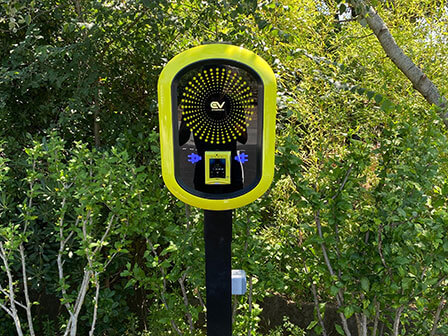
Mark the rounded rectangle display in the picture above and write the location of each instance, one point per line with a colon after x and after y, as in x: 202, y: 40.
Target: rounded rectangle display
x: 215, y: 108
x: 217, y: 126
x: 217, y: 169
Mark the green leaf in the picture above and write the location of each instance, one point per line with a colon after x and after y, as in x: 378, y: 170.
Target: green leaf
x: 311, y: 325
x: 334, y: 290
x: 130, y: 283
x: 169, y: 249
x: 401, y: 212
x: 378, y: 98
x: 387, y: 105
x: 348, y: 311
x: 339, y: 329
x: 365, y: 284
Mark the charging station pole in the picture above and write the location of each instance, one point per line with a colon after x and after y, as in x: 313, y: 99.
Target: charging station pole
x: 217, y: 106
x: 218, y: 239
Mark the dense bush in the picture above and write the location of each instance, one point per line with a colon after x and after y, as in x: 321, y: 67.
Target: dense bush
x: 91, y: 242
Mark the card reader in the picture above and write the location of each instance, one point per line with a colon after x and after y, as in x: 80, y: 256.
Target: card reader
x: 217, y: 167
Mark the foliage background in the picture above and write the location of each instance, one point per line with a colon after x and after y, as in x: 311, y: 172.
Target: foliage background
x: 354, y: 226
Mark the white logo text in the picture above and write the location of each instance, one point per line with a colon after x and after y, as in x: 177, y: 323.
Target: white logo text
x: 217, y: 106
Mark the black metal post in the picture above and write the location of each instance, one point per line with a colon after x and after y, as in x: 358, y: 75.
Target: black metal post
x: 218, y: 277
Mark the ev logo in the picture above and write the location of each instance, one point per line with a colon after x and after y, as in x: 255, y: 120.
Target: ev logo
x: 217, y: 107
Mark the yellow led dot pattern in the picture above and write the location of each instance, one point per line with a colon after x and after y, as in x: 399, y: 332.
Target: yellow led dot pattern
x: 217, y: 89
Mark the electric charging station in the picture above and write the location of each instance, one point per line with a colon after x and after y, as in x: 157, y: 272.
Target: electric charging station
x: 217, y: 106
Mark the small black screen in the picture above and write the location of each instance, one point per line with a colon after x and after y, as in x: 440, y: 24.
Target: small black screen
x: 217, y: 168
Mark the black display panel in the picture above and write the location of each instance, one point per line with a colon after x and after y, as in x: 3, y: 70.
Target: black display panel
x: 217, y: 168
x: 217, y: 106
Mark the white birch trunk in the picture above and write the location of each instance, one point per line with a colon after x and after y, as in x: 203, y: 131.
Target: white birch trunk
x: 28, y: 303
x: 10, y: 294
x: 396, y: 328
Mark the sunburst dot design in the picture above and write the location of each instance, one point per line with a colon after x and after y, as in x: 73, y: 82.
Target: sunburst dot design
x: 217, y: 105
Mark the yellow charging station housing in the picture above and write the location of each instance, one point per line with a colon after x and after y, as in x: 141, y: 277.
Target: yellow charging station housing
x: 217, y: 108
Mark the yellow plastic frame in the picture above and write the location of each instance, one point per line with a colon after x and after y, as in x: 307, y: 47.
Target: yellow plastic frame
x: 217, y: 155
x: 224, y: 52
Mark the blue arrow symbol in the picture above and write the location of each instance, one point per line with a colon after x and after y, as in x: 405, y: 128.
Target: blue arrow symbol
x: 242, y: 158
x: 193, y: 158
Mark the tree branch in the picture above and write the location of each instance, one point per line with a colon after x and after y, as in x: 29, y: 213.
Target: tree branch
x: 336, y: 227
x: 344, y: 181
x: 62, y: 242
x: 186, y: 303
x: 76, y: 309
x: 380, y: 248
x: 396, y: 327
x: 364, y: 324
x: 249, y: 328
x: 61, y: 272
x: 79, y: 301
x: 377, y: 316
x: 162, y: 294
x: 6, y: 310
x: 437, y: 316
x: 25, y: 289
x: 417, y: 77
x: 11, y: 296
x: 358, y: 324
x: 339, y: 296
x: 187, y: 215
x: 201, y: 302
x: 61, y: 266
x: 103, y: 238
x: 316, y: 302
x: 95, y: 303
x: 6, y: 294
x: 316, y: 306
